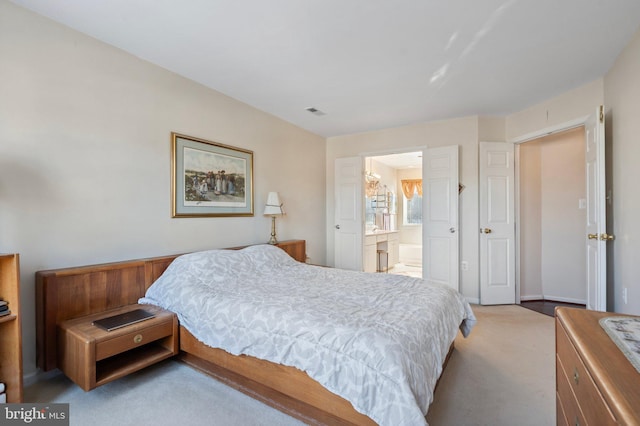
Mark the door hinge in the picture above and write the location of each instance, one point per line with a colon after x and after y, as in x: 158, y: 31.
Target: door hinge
x: 601, y: 113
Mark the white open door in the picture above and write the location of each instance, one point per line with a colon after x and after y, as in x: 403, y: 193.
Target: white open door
x: 440, y: 215
x: 597, y: 236
x: 497, y: 224
x: 348, y: 213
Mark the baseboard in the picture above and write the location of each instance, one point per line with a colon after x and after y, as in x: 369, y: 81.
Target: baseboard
x: 472, y: 300
x: 531, y: 297
x: 552, y: 299
x: 39, y: 375
x: 565, y: 300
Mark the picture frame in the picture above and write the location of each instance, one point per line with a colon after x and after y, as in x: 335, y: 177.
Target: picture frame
x: 209, y: 179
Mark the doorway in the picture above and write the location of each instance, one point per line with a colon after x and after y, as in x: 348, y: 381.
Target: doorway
x: 393, y: 224
x: 595, y: 203
x: 552, y: 211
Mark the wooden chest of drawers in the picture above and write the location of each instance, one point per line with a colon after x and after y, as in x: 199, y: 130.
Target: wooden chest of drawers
x: 595, y: 383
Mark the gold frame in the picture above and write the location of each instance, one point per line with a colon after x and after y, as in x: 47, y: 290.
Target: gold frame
x: 201, y: 184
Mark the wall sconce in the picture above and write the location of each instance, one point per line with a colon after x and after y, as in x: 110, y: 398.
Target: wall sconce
x: 273, y: 208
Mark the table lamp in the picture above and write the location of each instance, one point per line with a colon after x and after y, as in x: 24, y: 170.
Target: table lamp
x: 273, y: 208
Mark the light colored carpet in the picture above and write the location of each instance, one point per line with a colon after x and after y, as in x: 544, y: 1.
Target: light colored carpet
x: 169, y: 393
x: 503, y: 374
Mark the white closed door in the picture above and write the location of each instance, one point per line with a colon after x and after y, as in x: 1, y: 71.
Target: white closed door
x: 597, y: 237
x: 440, y: 214
x: 348, y: 222
x: 497, y: 224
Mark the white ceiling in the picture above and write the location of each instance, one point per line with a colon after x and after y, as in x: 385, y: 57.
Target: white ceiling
x: 367, y: 64
x: 402, y: 160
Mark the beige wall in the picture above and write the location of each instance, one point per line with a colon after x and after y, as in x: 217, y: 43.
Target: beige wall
x: 563, y: 222
x: 491, y: 129
x: 555, y: 113
x: 85, y: 157
x: 552, y: 182
x: 622, y: 101
x: 530, y: 244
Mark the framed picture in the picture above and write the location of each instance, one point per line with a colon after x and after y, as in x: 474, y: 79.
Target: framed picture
x: 210, y: 179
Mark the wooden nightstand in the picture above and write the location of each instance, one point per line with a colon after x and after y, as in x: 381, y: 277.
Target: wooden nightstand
x: 91, y: 356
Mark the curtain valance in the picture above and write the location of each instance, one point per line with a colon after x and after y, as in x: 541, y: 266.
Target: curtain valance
x: 411, y: 186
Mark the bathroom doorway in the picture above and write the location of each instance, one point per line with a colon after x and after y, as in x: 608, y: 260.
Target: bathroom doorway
x: 393, y: 222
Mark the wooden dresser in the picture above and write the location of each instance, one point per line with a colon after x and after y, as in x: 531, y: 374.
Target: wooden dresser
x: 595, y: 383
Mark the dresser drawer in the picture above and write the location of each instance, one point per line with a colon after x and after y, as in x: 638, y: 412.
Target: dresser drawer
x: 125, y: 342
x: 568, y: 409
x: 591, y: 404
x: 561, y: 418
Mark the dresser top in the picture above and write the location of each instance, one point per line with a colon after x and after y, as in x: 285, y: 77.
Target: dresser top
x: 614, y: 375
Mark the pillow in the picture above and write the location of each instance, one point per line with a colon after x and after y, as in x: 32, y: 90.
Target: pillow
x: 267, y: 256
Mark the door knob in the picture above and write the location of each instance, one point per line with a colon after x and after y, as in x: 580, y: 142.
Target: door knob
x: 606, y: 237
x: 452, y: 230
x: 592, y: 236
x: 337, y: 226
x: 485, y: 231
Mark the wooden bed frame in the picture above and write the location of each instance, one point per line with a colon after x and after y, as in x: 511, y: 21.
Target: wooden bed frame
x: 68, y: 293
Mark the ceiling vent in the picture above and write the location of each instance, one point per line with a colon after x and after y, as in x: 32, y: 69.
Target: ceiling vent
x: 315, y: 111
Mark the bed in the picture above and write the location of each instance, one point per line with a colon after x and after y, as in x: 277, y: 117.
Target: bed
x: 336, y: 354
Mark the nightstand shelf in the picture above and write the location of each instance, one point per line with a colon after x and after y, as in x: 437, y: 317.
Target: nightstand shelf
x: 91, y: 356
x: 120, y: 365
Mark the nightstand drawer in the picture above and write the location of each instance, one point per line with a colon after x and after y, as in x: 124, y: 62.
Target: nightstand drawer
x: 125, y: 342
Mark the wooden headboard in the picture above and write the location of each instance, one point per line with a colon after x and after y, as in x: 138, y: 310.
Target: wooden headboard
x: 68, y: 293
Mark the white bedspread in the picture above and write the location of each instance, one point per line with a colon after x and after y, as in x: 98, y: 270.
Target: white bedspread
x: 377, y: 340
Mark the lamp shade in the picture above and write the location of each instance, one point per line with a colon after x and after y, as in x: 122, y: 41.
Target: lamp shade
x: 273, y: 206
